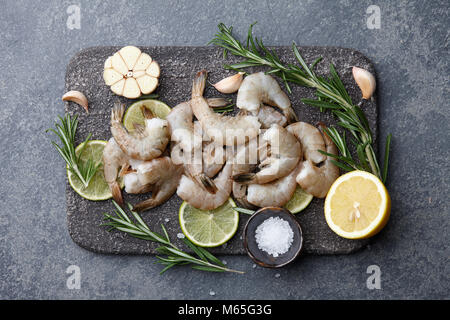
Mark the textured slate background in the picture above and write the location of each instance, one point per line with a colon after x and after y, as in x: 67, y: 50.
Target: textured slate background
x: 179, y: 65
x: 409, y: 52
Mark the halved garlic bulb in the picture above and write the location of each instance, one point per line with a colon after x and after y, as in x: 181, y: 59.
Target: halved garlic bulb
x: 131, y: 73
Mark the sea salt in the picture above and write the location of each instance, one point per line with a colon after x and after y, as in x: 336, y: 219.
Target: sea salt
x: 180, y: 236
x: 274, y: 236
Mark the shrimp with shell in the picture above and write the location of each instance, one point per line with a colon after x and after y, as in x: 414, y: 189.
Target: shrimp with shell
x: 199, y: 198
x: 259, y: 88
x: 273, y: 194
x: 224, y: 129
x: 280, y: 154
x: 318, y: 180
x: 187, y: 147
x: 159, y: 176
x: 311, y: 140
x: 114, y: 159
x: 146, y: 142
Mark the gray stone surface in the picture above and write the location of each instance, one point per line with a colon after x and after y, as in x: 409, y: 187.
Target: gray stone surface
x: 179, y: 65
x: 410, y: 54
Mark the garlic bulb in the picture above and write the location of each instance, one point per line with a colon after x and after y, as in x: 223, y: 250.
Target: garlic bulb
x: 77, y: 97
x: 131, y: 73
x: 365, y: 81
x: 230, y: 84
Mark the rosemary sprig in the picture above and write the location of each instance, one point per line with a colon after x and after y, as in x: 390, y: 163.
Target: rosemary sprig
x: 66, y: 132
x: 331, y: 94
x: 170, y: 255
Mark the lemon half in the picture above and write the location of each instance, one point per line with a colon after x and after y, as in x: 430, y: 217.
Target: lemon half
x: 357, y: 205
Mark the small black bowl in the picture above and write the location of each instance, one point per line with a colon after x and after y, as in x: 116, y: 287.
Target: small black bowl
x: 261, y: 257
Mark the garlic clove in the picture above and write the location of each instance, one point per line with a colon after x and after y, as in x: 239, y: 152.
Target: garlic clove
x: 147, y: 83
x: 117, y: 87
x: 131, y: 89
x: 365, y: 81
x: 130, y: 55
x: 142, y: 63
x: 118, y: 64
x: 108, y: 63
x: 230, y: 84
x: 77, y: 97
x: 111, y: 76
x: 153, y: 69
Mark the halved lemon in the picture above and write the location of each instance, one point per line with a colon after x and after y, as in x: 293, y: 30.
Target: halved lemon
x: 134, y: 112
x: 209, y: 228
x: 357, y: 205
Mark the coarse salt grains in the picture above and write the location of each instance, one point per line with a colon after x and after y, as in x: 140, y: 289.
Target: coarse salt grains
x: 274, y: 236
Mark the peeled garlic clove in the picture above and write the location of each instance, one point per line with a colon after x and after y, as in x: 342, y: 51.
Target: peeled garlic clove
x: 365, y: 81
x: 77, y: 97
x: 230, y: 84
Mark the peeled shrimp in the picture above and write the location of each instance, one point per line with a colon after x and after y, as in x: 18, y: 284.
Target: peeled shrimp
x: 160, y: 176
x: 113, y: 160
x: 196, y: 196
x: 223, y: 129
x: 259, y: 88
x: 274, y: 194
x: 147, y: 142
x: 318, y: 180
x: 311, y: 140
x: 279, y: 160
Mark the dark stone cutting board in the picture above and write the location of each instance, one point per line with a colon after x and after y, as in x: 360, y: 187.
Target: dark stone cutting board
x: 178, y: 66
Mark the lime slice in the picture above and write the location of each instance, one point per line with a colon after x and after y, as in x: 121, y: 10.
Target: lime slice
x: 97, y: 189
x: 134, y: 112
x: 209, y: 228
x: 299, y: 201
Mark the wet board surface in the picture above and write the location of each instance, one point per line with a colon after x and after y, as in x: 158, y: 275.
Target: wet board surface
x: 178, y: 67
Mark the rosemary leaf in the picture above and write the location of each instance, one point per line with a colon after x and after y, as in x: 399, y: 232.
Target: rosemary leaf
x: 169, y: 254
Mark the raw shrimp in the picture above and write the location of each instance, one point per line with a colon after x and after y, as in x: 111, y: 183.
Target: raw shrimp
x: 188, y: 144
x: 223, y: 129
x: 280, y: 160
x: 113, y: 160
x: 269, y: 116
x: 311, y: 140
x: 161, y: 176
x: 190, y: 192
x: 274, y: 194
x: 244, y: 162
x: 318, y: 180
x: 147, y: 142
x: 259, y: 88
x: 214, y: 157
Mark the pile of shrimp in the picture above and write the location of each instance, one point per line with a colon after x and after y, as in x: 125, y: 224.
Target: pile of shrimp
x: 258, y: 156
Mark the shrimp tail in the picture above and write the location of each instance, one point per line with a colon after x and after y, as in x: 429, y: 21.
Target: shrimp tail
x: 147, y: 113
x: 198, y: 85
x: 116, y: 193
x: 117, y: 112
x: 145, y: 205
x: 290, y: 115
x: 207, y: 183
x: 244, y: 177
